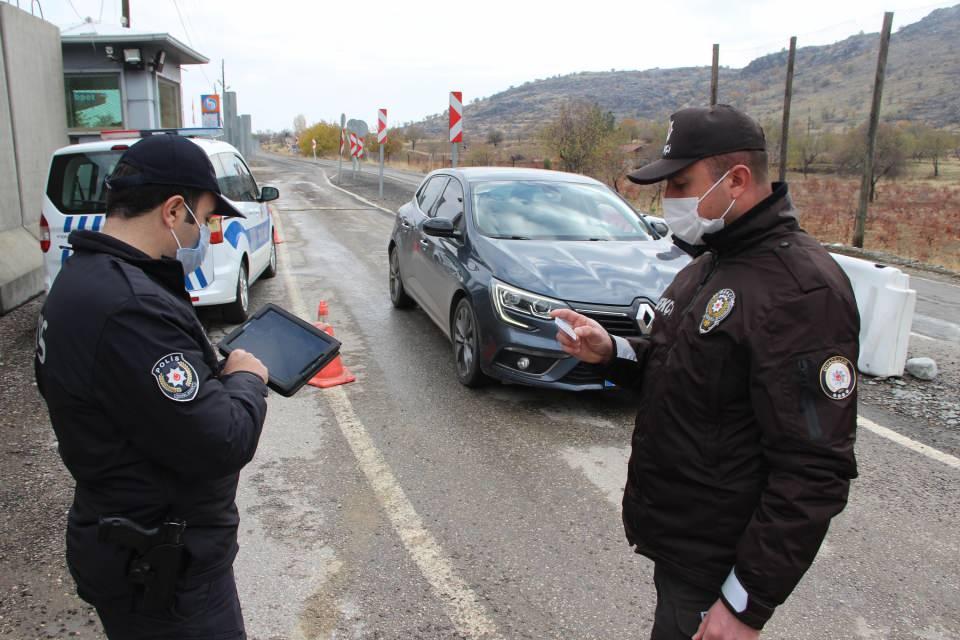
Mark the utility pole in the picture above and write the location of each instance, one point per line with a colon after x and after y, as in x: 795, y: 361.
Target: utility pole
x: 125, y: 10
x: 715, y: 75
x: 787, y: 98
x: 223, y: 75
x: 866, y: 183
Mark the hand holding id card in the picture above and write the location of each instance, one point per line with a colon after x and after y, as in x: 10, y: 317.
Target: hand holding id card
x: 292, y: 350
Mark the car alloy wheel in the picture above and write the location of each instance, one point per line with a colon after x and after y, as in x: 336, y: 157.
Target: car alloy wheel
x: 398, y: 295
x: 466, y: 345
x: 237, y: 310
x: 271, y: 269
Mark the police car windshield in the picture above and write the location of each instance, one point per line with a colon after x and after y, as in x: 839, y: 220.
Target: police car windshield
x: 76, y: 182
x: 542, y: 210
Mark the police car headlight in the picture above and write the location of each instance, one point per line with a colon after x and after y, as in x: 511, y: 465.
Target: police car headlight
x: 514, y: 304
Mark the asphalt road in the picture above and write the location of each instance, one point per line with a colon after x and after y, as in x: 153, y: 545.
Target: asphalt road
x: 407, y: 506
x: 937, y: 314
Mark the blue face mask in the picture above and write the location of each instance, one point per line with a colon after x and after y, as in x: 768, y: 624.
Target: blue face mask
x: 192, y: 257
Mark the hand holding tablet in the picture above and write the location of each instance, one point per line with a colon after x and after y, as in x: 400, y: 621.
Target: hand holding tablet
x: 292, y: 350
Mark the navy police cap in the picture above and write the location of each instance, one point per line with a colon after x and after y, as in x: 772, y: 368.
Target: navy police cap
x: 173, y: 160
x: 701, y: 132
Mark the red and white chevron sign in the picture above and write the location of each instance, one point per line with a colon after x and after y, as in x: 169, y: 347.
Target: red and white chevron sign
x: 456, y: 116
x: 353, y: 145
x: 381, y: 126
x: 356, y: 145
x: 341, y: 141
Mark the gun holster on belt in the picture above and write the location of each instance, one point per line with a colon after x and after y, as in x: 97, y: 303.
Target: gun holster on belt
x: 158, y: 557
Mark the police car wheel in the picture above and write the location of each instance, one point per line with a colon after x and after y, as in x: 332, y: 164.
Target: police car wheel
x: 236, y: 311
x: 398, y: 295
x: 271, y: 269
x: 466, y: 346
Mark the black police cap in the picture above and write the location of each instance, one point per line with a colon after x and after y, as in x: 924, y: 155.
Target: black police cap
x: 701, y: 132
x: 166, y: 159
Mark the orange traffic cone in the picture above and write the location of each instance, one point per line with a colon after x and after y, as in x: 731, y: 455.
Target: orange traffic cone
x: 334, y: 373
x: 276, y: 237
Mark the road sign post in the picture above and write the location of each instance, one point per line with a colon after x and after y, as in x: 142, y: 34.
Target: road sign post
x: 381, y: 140
x: 313, y: 144
x: 456, y: 124
x: 343, y: 123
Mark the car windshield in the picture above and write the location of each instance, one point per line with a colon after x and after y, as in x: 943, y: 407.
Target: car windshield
x: 76, y: 180
x: 546, y: 210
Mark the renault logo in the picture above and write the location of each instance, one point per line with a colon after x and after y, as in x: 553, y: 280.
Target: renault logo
x: 645, y: 317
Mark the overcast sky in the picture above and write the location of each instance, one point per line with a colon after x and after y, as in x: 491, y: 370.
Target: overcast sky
x: 321, y: 58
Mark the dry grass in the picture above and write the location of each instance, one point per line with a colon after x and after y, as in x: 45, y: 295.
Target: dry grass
x: 914, y: 219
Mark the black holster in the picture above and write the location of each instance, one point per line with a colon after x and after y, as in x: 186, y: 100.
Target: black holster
x: 158, y: 557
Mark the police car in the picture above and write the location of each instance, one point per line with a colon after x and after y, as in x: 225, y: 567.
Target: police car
x: 241, y: 250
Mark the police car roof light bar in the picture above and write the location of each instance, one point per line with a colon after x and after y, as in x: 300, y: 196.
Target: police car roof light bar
x: 186, y: 132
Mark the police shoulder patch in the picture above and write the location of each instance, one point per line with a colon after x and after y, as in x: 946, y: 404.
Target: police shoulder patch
x: 719, y: 307
x: 176, y: 377
x: 838, y: 377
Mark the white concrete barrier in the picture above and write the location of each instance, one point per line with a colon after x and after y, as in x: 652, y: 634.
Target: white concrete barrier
x: 886, y: 303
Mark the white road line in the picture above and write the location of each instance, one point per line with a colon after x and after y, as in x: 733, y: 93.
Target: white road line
x: 920, y: 335
x: 462, y: 604
x: 947, y: 284
x: 913, y: 445
x: 606, y: 467
x: 350, y: 193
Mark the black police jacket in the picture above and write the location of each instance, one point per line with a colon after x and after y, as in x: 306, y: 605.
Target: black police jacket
x: 145, y: 423
x: 743, y: 445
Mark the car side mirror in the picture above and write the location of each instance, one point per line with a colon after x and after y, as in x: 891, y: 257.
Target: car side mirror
x: 660, y: 227
x: 268, y: 194
x: 440, y: 228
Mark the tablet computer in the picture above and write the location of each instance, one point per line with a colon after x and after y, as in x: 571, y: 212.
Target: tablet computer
x: 292, y: 350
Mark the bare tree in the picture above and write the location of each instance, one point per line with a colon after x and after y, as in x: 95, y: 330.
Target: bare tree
x: 890, y: 155
x: 413, y: 133
x: 495, y: 137
x: 807, y: 148
x: 576, y: 134
x: 299, y: 123
x: 934, y: 144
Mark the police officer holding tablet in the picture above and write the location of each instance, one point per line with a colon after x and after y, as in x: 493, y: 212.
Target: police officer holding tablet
x: 153, y: 428
x: 743, y: 446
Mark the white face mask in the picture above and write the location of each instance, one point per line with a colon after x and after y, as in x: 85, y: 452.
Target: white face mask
x: 683, y: 217
x: 192, y: 257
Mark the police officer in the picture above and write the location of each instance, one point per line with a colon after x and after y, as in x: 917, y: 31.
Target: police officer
x: 152, y: 427
x: 743, y: 446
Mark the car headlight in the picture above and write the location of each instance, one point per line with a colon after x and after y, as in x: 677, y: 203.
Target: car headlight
x: 512, y: 302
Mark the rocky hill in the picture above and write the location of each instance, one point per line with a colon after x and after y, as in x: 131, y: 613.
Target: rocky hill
x: 832, y: 85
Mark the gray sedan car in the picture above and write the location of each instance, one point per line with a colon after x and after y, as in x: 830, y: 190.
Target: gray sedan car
x: 488, y: 253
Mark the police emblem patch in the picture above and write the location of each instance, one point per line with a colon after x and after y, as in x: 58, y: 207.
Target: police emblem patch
x: 718, y: 308
x: 838, y: 378
x: 176, y: 377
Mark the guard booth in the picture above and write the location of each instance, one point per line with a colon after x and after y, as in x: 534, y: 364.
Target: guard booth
x: 119, y: 78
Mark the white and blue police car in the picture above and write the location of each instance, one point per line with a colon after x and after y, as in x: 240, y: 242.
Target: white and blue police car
x: 241, y: 250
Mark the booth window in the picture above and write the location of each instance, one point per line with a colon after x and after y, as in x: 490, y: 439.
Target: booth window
x: 93, y: 102
x: 169, y: 104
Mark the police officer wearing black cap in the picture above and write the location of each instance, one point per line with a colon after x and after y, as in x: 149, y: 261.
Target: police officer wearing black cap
x: 153, y: 428
x: 743, y: 446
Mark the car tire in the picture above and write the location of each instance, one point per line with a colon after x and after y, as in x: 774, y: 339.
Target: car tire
x: 466, y: 345
x: 271, y: 269
x: 398, y: 294
x: 236, y: 312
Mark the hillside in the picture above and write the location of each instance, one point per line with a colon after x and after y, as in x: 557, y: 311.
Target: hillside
x: 832, y: 85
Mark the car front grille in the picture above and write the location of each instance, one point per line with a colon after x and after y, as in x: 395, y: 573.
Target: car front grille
x: 616, y: 323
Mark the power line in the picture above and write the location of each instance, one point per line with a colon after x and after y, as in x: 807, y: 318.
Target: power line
x: 186, y: 32
x: 75, y: 10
